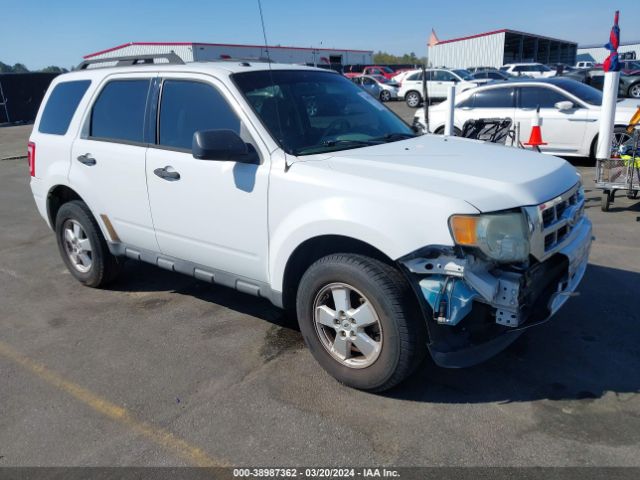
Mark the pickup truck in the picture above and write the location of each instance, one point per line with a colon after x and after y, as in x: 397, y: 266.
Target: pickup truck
x: 292, y: 184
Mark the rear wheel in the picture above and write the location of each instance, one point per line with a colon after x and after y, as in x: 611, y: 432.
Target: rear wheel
x: 413, y: 99
x: 83, y: 247
x: 634, y: 91
x: 456, y: 131
x: 359, y: 319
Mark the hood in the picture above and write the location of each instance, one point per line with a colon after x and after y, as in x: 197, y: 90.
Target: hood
x: 488, y: 176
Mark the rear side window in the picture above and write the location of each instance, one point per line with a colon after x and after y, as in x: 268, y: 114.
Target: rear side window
x: 61, y: 106
x: 187, y: 107
x: 119, y: 111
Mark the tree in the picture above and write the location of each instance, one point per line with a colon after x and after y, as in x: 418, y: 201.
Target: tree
x: 20, y: 68
x: 54, y: 69
x: 388, y: 58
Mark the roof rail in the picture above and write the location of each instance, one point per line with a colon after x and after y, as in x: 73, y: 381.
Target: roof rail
x: 145, y: 59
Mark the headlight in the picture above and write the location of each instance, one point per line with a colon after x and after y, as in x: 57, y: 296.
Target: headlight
x: 501, y: 236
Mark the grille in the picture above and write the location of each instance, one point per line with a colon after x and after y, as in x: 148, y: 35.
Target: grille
x: 554, y: 221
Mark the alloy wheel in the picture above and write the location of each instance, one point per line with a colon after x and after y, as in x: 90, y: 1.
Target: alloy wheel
x: 77, y: 246
x: 347, y: 325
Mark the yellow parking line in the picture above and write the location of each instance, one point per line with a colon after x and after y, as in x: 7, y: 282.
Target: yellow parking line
x: 110, y: 410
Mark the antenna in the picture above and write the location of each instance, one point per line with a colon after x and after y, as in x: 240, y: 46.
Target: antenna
x: 273, y: 83
x: 264, y: 33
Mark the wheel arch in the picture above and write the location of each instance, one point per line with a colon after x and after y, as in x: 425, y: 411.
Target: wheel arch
x: 594, y: 141
x: 311, y: 250
x: 57, y: 196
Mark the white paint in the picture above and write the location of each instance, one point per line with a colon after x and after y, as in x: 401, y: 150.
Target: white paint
x: 451, y: 101
x: 607, y: 114
x: 567, y: 132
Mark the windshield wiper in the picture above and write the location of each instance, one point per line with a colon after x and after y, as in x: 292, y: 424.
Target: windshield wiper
x: 344, y: 141
x: 394, y: 137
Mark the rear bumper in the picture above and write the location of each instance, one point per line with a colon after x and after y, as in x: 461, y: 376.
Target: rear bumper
x: 39, y: 192
x: 478, y: 319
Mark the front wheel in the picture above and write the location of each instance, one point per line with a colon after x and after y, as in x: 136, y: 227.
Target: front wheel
x: 634, y: 91
x: 413, y: 99
x: 360, y: 321
x: 385, y: 96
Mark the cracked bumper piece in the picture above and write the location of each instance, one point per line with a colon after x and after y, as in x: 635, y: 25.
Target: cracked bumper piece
x: 474, y: 308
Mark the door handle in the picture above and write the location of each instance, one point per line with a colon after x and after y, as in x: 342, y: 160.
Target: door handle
x: 87, y: 159
x: 167, y: 173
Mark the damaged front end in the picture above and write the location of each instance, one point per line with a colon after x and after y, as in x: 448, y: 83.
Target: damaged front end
x: 475, y: 305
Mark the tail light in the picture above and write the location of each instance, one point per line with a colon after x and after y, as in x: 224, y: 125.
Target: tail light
x: 31, y: 155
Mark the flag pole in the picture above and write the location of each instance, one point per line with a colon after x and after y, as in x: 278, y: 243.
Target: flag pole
x: 609, y: 93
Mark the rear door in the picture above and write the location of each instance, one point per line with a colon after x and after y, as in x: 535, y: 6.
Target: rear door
x: 108, y: 159
x: 564, y: 131
x: 497, y: 102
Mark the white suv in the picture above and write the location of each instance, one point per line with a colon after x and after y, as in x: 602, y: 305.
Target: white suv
x: 533, y: 70
x: 291, y: 183
x: 438, y: 82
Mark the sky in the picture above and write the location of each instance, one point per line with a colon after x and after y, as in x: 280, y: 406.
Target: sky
x: 39, y: 33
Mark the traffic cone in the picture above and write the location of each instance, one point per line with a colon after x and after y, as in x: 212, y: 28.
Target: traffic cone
x: 535, y: 140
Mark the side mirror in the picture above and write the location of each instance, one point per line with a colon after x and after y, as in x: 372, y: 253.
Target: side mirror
x: 222, y: 145
x: 564, y: 106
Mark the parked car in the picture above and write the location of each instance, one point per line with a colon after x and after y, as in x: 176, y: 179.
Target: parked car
x: 629, y: 84
x: 630, y: 67
x: 438, y: 82
x: 533, y: 70
x: 485, y: 76
x: 384, y: 71
x: 585, y: 64
x: 401, y: 75
x: 384, y: 245
x: 369, y: 85
x: 569, y: 111
x: 387, y: 89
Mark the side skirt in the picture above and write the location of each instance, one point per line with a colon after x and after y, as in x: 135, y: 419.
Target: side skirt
x: 201, y: 272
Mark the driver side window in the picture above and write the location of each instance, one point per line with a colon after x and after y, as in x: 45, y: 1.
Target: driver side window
x: 187, y: 107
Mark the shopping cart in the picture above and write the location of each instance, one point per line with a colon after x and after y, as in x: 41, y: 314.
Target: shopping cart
x: 622, y: 172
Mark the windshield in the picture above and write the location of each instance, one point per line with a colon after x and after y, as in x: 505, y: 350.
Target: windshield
x: 387, y: 69
x: 308, y: 111
x: 463, y: 74
x: 584, y: 92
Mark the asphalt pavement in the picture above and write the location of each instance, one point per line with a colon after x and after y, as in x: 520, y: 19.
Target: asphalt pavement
x: 161, y: 369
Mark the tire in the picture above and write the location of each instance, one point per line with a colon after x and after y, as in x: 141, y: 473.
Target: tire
x: 634, y: 91
x: 378, y: 289
x: 605, y: 201
x: 456, y: 131
x: 618, y: 134
x: 98, y: 266
x: 385, y: 96
x: 413, y: 99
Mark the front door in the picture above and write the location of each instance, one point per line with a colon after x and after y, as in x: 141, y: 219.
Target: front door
x: 108, y: 160
x: 212, y: 213
x: 562, y: 130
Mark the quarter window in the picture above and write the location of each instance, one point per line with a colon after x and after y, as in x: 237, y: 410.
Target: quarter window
x: 61, y: 106
x: 119, y: 111
x: 187, y: 107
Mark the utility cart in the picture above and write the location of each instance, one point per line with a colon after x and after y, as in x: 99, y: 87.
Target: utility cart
x: 621, y: 172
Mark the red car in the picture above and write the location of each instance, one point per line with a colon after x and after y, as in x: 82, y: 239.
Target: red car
x: 371, y: 70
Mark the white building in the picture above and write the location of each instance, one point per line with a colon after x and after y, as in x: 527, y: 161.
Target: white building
x: 494, y: 49
x: 597, y: 53
x: 190, y: 52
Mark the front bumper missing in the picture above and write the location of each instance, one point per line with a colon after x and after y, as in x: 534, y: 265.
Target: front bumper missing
x: 474, y: 308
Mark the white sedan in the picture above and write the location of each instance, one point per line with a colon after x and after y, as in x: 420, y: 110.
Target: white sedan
x: 570, y: 112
